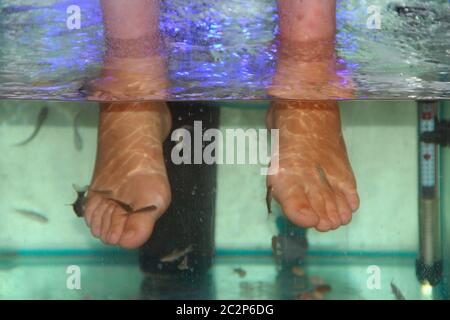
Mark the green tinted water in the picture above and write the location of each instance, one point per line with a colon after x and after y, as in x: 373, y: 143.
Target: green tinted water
x: 382, y: 142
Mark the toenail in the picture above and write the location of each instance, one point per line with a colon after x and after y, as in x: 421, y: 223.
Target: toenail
x: 354, y: 204
x: 96, y: 232
x: 353, y: 200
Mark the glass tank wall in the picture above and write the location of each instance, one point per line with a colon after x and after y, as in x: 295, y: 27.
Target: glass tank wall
x: 242, y: 170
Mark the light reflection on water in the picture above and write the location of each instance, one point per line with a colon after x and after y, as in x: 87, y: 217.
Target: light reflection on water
x: 224, y: 50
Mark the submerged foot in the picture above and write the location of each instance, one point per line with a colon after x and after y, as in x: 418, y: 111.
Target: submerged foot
x: 129, y: 189
x: 315, y: 184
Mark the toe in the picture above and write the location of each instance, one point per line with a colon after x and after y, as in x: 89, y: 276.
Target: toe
x: 97, y: 217
x: 318, y: 205
x: 106, y: 222
x: 118, y: 220
x: 297, y: 208
x: 344, y: 209
x: 331, y: 209
x: 91, y: 205
x: 137, y: 229
x: 351, y: 195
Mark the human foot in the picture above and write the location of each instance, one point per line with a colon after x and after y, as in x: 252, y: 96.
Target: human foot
x: 129, y: 189
x: 315, y: 184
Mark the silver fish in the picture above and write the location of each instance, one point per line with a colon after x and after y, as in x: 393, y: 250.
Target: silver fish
x: 183, y: 264
x: 396, y: 292
x: 39, y: 122
x: 176, y: 254
x: 269, y: 199
x: 77, y: 140
x: 322, y: 175
x: 79, y: 206
x: 33, y: 215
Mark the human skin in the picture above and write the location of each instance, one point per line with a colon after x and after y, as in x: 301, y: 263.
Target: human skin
x: 314, y: 184
x: 130, y: 189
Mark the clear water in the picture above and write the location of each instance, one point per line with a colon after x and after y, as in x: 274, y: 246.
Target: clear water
x: 35, y: 256
x: 225, y: 50
x: 222, y: 209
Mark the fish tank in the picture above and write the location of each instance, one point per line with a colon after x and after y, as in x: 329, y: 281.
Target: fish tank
x: 224, y: 150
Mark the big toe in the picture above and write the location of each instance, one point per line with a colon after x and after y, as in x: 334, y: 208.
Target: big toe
x: 137, y: 229
x: 298, y: 209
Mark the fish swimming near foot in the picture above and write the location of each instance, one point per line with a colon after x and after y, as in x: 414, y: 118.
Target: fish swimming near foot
x: 32, y: 215
x: 277, y: 249
x: 269, y: 199
x: 240, y: 272
x: 396, y: 292
x: 322, y: 175
x: 79, y: 205
x: 77, y: 140
x: 176, y: 255
x: 39, y: 122
x: 318, y: 293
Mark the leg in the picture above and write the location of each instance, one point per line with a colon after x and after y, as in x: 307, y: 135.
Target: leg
x: 133, y: 66
x: 307, y: 66
x: 307, y: 20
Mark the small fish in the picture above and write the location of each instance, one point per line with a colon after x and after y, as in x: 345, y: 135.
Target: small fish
x: 323, y: 288
x: 298, y: 271
x: 277, y: 250
x: 176, y: 255
x: 276, y: 246
x: 318, y: 293
x: 396, y: 292
x: 148, y: 209
x: 39, y: 122
x: 77, y: 140
x: 309, y: 295
x: 269, y: 199
x: 79, y: 206
x: 33, y: 215
x: 183, y: 264
x: 322, y: 175
x: 126, y: 207
x: 240, y: 272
